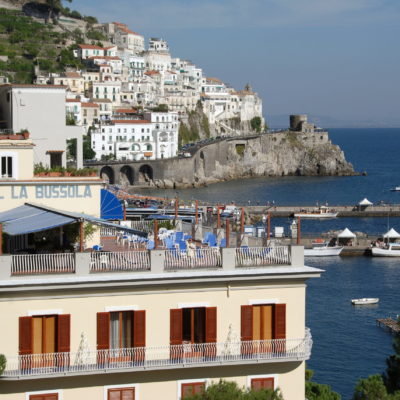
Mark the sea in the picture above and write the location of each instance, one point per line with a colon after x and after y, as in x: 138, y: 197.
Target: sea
x: 348, y: 345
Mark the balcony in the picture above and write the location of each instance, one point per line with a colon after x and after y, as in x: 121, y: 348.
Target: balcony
x: 139, y: 259
x: 88, y: 361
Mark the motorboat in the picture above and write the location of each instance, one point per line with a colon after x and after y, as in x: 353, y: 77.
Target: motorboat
x: 365, y: 301
x: 395, y: 189
x: 387, y: 250
x: 318, y: 213
x: 321, y: 248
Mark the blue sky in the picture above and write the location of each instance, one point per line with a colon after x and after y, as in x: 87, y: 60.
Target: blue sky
x: 338, y: 60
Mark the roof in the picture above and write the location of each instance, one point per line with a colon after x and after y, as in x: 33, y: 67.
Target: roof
x: 73, y: 75
x: 131, y: 121
x: 31, y: 218
x: 125, y: 111
x: 392, y: 234
x: 152, y: 72
x: 31, y: 85
x: 100, y: 101
x: 365, y: 202
x: 125, y: 29
x: 346, y: 233
x: 72, y: 100
x: 214, y: 80
x: 90, y: 46
x: 89, y: 105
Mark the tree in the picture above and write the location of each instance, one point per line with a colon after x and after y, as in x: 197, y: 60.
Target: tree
x: 255, y: 124
x: 224, y: 390
x: 371, y: 388
x: 318, y: 391
x: 55, y: 6
x: 391, y: 377
x: 3, y: 363
x: 88, y: 152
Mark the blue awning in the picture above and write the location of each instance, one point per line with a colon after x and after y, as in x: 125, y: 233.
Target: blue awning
x: 110, y: 207
x: 26, y: 219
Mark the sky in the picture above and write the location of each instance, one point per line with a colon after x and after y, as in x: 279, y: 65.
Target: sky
x: 336, y: 60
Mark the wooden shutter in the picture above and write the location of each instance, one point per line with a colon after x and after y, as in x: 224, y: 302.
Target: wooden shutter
x: 246, y: 323
x: 262, y: 383
x: 103, y: 331
x: 49, y: 396
x: 128, y: 394
x: 121, y: 394
x: 280, y: 321
x: 64, y: 333
x: 199, y: 387
x: 139, y: 328
x: 25, y: 335
x: 176, y: 326
x: 211, y: 324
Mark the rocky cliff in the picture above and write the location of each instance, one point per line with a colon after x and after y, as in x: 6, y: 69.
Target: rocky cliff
x: 271, y: 154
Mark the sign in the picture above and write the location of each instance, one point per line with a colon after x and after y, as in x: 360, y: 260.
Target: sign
x: 46, y: 192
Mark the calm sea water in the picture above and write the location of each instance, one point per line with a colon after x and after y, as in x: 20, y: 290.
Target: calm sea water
x: 347, y: 343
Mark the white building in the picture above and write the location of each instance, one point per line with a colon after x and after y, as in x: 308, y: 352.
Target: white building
x: 136, y: 68
x: 152, y: 138
x: 123, y: 37
x: 86, y: 51
x: 107, y: 90
x: 158, y: 57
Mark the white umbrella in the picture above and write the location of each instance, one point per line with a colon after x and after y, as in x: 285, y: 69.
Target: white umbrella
x: 392, y: 234
x: 365, y: 202
x: 346, y: 233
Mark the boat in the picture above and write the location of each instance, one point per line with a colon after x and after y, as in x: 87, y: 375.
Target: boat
x: 321, y: 248
x: 320, y: 212
x: 387, y: 250
x: 364, y: 301
x: 395, y: 189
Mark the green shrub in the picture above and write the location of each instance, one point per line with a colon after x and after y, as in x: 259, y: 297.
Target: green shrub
x: 3, y: 363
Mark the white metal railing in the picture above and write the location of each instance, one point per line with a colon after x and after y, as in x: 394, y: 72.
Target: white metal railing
x: 120, y: 261
x: 193, y: 258
x: 205, y: 354
x: 31, y: 264
x: 106, y: 231
x: 260, y: 256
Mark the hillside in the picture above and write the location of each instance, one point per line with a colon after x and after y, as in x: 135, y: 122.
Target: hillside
x: 28, y: 43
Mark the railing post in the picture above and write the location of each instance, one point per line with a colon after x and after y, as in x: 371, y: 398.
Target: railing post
x: 5, y: 266
x: 82, y: 263
x: 157, y: 258
x: 228, y: 258
x: 297, y: 256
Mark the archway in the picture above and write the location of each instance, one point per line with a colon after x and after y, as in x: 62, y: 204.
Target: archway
x: 126, y: 175
x: 107, y: 174
x: 145, y: 173
x: 203, y: 159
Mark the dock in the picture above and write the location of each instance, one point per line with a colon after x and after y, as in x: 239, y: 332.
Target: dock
x: 389, y: 323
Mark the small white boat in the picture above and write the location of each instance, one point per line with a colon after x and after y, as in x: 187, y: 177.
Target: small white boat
x: 322, y: 249
x: 364, y: 301
x: 395, y: 189
x: 321, y: 212
x: 389, y: 250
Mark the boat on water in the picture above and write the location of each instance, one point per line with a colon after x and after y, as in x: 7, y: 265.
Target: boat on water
x: 395, y: 189
x: 317, y: 213
x: 386, y: 250
x: 321, y: 248
x: 365, y: 301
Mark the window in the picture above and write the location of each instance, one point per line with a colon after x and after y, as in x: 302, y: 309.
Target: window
x: 110, y: 148
x: 103, y: 138
x: 44, y: 334
x: 6, y: 167
x: 44, y: 396
x: 121, y: 394
x: 262, y: 383
x: 191, y: 389
x: 262, y: 322
x: 121, y: 329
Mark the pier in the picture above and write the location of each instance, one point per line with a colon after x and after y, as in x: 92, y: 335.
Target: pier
x: 390, y: 324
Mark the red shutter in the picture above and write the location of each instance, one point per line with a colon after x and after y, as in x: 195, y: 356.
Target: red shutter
x: 64, y: 333
x: 280, y: 321
x: 211, y: 324
x: 128, y: 394
x: 176, y: 326
x: 25, y: 335
x: 262, y: 383
x: 139, y: 328
x: 103, y: 331
x: 198, y: 388
x: 246, y: 323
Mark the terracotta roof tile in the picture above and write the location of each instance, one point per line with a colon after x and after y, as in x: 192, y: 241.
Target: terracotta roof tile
x: 89, y: 105
x: 90, y: 46
x: 131, y: 121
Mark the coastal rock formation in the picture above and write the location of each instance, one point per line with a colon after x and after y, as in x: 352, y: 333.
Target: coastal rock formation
x: 272, y: 154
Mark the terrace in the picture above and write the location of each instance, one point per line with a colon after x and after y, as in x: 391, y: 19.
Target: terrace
x: 87, y: 361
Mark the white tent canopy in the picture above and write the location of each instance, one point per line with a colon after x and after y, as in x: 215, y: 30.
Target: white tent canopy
x: 346, y: 233
x: 365, y: 202
x: 392, y: 234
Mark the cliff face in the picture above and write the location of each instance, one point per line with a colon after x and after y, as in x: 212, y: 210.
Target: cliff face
x: 272, y: 154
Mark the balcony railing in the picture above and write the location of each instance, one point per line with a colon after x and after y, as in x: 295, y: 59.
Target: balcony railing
x: 31, y: 264
x: 147, y: 358
x: 193, y: 258
x: 120, y: 261
x: 134, y: 260
x: 262, y: 256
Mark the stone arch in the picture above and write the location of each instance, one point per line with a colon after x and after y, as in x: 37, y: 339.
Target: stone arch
x: 203, y: 160
x: 145, y: 173
x: 107, y: 174
x: 126, y: 175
